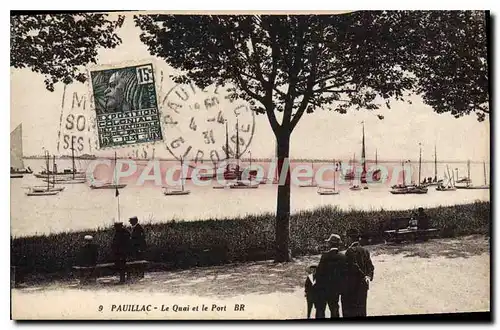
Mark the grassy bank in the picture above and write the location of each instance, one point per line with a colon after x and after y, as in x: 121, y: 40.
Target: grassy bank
x: 250, y: 238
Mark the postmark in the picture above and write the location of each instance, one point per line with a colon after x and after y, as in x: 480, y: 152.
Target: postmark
x: 126, y: 105
x: 206, y: 125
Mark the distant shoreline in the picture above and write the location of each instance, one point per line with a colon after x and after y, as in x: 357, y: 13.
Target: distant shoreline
x: 258, y: 160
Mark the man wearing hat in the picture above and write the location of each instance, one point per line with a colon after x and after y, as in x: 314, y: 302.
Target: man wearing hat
x: 120, y: 248
x: 88, y: 257
x: 359, y: 274
x: 330, y: 278
x: 137, y: 240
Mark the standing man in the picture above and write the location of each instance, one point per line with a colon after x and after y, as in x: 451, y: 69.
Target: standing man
x: 330, y: 278
x: 137, y: 241
x: 120, y: 247
x: 359, y: 274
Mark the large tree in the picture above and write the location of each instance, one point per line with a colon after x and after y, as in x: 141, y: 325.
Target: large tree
x: 59, y: 45
x: 294, y: 64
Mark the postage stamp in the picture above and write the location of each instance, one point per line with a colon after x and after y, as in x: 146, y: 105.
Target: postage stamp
x: 126, y: 107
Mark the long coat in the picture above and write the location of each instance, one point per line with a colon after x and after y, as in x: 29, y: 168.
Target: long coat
x: 121, y: 244
x: 331, y: 272
x: 137, y: 239
x: 359, y: 265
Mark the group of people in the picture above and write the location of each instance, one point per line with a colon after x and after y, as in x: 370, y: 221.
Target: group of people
x: 127, y: 244
x: 340, y: 275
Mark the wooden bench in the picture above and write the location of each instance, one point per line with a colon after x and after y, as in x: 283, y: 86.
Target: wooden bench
x: 399, y: 231
x: 90, y: 273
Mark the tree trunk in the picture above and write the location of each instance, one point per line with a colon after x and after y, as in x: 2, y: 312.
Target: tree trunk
x: 283, y: 252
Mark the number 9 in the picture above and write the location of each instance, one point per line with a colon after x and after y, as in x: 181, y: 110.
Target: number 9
x: 100, y: 308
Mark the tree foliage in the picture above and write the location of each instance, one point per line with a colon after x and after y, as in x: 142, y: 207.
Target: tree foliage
x: 57, y: 46
x: 333, y: 61
x: 450, y: 58
x: 290, y: 64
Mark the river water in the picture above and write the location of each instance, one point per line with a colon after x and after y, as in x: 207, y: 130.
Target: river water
x: 78, y: 207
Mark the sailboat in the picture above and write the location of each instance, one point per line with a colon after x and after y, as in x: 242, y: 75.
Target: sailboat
x: 468, y: 183
x: 167, y: 191
x: 434, y: 181
x: 17, y: 169
x: 329, y: 190
x: 350, y: 175
x: 52, y: 182
x: 450, y: 185
x: 110, y: 185
x: 229, y: 172
x: 73, y: 178
x: 354, y: 186
x: 363, y: 157
x: 311, y: 183
x: 404, y: 189
x: 241, y: 184
x: 68, y: 175
x: 42, y: 190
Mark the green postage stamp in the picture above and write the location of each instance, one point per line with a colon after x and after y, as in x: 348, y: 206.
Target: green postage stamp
x: 126, y: 106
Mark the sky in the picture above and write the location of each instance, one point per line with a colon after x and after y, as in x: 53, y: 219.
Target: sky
x: 321, y: 135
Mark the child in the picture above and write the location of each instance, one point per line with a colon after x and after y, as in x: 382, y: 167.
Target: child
x: 309, y: 288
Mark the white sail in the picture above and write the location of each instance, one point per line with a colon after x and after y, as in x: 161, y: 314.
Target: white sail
x: 16, y: 148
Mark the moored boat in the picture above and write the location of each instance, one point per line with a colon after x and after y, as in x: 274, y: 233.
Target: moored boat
x: 244, y: 184
x: 467, y: 184
x: 41, y: 193
x: 327, y: 191
x: 108, y: 185
x: 169, y: 191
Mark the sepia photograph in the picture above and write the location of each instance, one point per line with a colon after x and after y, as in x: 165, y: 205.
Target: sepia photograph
x: 250, y: 165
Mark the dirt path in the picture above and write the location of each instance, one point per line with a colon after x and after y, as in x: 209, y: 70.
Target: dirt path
x: 439, y: 276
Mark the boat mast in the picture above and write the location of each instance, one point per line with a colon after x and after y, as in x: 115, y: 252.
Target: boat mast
x: 237, y: 150
x: 419, y: 164
x: 376, y: 160
x: 48, y: 170
x: 363, y: 149
x: 334, y: 173
x: 182, y: 179
x: 404, y: 180
x: 227, y: 143
x: 451, y: 177
x: 117, y: 194
x: 484, y: 171
x: 353, y: 165
x: 73, y: 158
x: 54, y: 168
x: 468, y: 172
x: 312, y: 168
x: 435, y: 165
